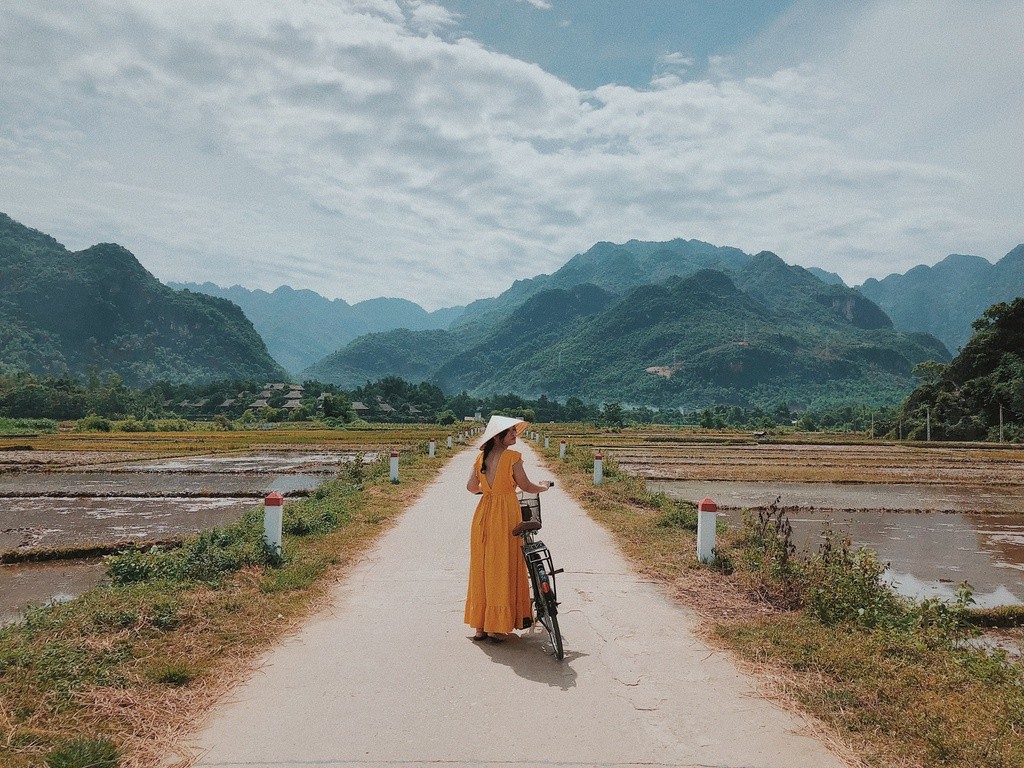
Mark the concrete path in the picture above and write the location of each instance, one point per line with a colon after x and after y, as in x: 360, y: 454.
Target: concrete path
x: 386, y: 675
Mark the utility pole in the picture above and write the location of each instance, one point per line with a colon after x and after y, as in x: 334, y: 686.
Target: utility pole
x: 928, y: 422
x: 1000, y: 422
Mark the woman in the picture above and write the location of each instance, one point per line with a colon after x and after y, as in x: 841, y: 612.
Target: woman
x: 498, y: 598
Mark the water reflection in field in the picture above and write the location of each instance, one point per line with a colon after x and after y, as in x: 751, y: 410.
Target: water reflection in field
x: 47, y: 508
x: 28, y: 584
x: 929, y: 552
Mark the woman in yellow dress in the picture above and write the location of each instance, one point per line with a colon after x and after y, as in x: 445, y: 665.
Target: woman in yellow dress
x: 498, y: 597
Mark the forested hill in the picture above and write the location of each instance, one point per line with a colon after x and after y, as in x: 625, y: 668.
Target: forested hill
x: 945, y: 299
x: 100, y: 310
x: 763, y: 332
x: 982, y: 388
x: 300, y: 327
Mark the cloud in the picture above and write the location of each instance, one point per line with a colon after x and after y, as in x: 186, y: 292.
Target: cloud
x: 542, y: 5
x: 354, y: 147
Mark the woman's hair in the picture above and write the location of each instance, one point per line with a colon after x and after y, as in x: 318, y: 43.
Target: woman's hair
x: 486, y: 448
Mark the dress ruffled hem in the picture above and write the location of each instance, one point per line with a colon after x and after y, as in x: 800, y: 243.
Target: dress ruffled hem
x: 496, y: 620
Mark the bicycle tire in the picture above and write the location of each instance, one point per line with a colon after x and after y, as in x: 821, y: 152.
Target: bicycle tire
x: 550, y: 622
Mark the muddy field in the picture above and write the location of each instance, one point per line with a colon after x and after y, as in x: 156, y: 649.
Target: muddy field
x: 938, y: 515
x: 104, y: 491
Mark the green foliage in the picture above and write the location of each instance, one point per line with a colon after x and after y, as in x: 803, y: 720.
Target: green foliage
x: 27, y: 426
x: 207, y: 557
x: 844, y: 585
x: 171, y: 673
x: 675, y: 513
x: 769, y: 555
x: 94, y: 423
x: 963, y: 400
x: 84, y: 753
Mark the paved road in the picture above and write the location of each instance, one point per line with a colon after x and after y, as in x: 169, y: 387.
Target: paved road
x: 386, y: 676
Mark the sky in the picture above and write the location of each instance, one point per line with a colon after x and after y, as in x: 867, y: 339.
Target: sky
x: 438, y: 150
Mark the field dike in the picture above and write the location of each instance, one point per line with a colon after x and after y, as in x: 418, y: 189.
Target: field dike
x: 887, y: 681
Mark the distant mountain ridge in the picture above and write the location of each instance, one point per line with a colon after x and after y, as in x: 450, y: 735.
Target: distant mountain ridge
x: 99, y: 309
x: 301, y: 327
x: 755, y: 330
x: 945, y: 299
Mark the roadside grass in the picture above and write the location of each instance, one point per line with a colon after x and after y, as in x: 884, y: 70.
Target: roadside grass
x: 895, y: 683
x: 117, y: 676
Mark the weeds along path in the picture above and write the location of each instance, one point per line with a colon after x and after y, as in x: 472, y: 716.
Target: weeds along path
x: 386, y: 675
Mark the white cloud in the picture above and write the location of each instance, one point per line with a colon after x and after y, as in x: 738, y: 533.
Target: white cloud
x: 542, y: 5
x: 343, y: 146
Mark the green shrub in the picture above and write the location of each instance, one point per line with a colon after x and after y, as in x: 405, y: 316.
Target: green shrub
x: 84, y: 753
x: 675, y: 513
x: 844, y: 585
x: 171, y: 673
x: 769, y: 557
x: 207, y: 557
x: 94, y: 423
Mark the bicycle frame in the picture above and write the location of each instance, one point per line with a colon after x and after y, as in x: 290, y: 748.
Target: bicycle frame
x: 542, y: 573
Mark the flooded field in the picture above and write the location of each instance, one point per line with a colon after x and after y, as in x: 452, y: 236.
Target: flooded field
x: 938, y: 516
x: 74, y: 499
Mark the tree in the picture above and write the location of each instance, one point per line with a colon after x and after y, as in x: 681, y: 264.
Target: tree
x: 612, y: 415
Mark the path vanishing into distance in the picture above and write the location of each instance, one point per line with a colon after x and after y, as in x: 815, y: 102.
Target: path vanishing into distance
x: 385, y: 673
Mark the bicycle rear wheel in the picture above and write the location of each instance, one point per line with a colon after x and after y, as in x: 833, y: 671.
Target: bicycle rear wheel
x: 550, y: 622
x: 546, y: 605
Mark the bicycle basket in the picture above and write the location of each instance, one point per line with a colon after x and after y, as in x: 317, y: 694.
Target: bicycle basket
x: 529, y: 505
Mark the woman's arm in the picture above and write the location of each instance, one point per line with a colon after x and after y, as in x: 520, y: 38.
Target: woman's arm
x: 519, y: 475
x: 473, y: 485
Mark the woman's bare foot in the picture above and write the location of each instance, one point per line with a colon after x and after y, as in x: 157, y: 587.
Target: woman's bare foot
x: 480, y: 635
x: 496, y: 638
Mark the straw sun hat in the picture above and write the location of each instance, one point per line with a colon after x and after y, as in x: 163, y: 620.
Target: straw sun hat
x: 499, y: 424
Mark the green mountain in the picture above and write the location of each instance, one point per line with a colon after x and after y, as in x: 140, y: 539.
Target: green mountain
x: 301, y: 327
x: 764, y: 332
x: 982, y: 387
x: 945, y: 299
x: 412, y: 355
x: 613, y: 267
x: 100, y: 310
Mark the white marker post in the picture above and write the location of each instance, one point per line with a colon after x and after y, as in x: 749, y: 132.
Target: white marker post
x: 273, y: 516
x: 707, y: 520
x: 598, y: 469
x: 561, y: 450
x: 449, y: 441
x: 431, y: 447
x: 394, y: 466
x: 547, y: 442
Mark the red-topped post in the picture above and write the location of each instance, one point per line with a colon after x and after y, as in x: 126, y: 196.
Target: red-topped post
x: 598, y: 469
x: 394, y: 466
x: 273, y: 516
x: 707, y: 520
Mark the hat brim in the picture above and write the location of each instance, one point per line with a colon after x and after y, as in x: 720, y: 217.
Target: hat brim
x: 499, y: 424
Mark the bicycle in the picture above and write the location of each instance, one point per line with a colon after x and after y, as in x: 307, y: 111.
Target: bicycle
x: 541, y: 569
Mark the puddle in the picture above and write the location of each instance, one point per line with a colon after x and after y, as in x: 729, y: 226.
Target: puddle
x: 30, y: 584
x: 929, y: 552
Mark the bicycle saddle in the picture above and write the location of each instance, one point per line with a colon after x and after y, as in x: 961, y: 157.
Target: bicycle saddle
x: 526, y: 525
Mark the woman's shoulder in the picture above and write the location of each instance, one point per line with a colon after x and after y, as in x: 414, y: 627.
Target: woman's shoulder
x: 514, y: 456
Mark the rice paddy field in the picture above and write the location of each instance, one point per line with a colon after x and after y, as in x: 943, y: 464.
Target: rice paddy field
x: 67, y: 499
x: 938, y: 513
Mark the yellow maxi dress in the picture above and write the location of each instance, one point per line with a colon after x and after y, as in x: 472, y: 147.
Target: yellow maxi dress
x: 498, y: 598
